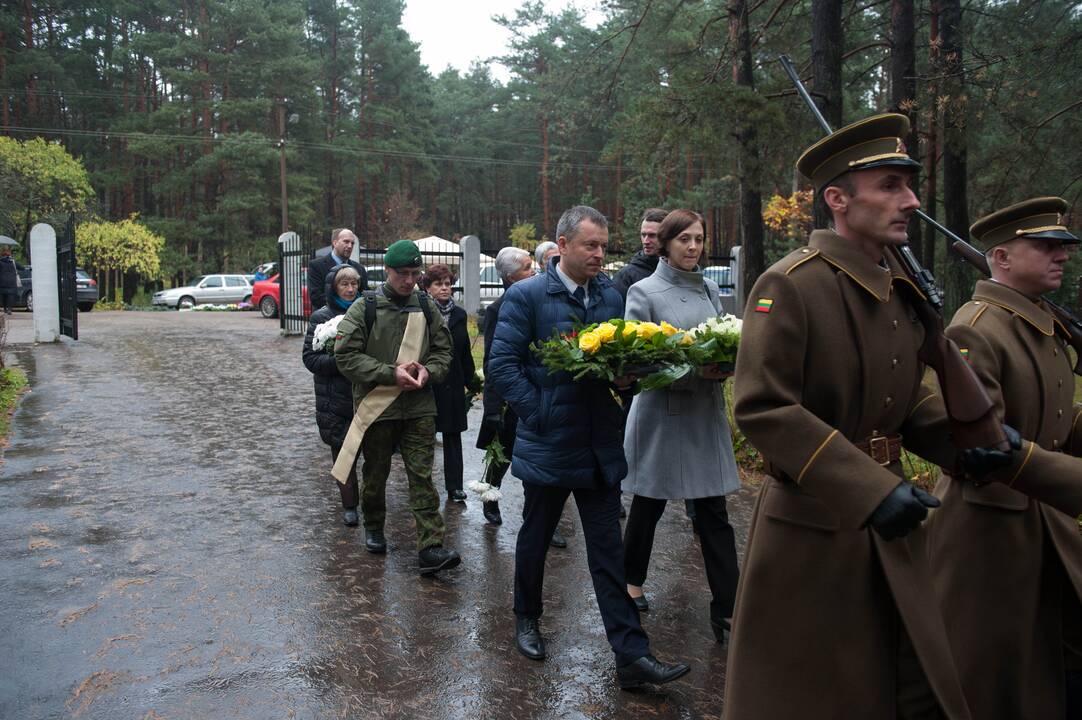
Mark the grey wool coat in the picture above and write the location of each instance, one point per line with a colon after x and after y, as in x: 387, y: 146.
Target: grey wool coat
x: 677, y: 441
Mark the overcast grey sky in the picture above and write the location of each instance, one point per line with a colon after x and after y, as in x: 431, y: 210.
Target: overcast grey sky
x: 456, y: 32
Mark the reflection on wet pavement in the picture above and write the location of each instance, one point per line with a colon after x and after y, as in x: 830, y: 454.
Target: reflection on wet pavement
x: 171, y: 547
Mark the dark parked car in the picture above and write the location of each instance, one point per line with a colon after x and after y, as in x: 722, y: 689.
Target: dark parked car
x: 86, y: 290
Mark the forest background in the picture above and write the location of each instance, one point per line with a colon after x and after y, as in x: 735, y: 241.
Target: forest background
x: 187, y: 115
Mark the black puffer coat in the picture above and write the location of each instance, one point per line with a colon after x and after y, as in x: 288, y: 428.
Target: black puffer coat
x: 334, y: 393
x: 9, y: 273
x: 451, y: 393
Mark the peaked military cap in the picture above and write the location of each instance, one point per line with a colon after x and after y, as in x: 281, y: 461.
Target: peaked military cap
x: 1040, y: 218
x: 869, y: 143
x: 401, y: 254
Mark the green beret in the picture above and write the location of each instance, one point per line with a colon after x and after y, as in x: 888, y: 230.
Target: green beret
x: 869, y: 143
x: 1039, y: 218
x: 401, y: 254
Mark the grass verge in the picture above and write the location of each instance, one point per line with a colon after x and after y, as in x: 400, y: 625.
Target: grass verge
x: 12, y: 385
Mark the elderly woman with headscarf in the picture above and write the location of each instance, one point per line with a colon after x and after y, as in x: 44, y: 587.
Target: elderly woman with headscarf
x: 334, y: 392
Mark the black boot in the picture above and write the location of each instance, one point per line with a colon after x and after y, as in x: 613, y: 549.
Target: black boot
x: 558, y: 540
x: 528, y: 638
x: 648, y: 669
x: 349, y: 517
x: 435, y: 558
x: 491, y: 511
x: 374, y: 542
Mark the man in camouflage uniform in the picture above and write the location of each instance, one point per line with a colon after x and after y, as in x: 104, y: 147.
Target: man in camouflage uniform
x: 369, y: 337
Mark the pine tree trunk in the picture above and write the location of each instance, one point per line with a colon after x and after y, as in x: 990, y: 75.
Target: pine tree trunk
x: 931, y: 153
x: 903, y: 91
x: 958, y: 281
x: 751, y: 204
x: 827, y: 44
x: 546, y: 206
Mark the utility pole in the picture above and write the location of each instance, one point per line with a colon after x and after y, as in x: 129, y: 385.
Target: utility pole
x: 282, y: 161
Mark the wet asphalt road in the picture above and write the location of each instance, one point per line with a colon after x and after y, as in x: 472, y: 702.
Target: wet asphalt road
x: 171, y: 547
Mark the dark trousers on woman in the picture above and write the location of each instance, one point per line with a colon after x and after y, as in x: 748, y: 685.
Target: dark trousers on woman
x: 8, y: 296
x: 494, y: 472
x: 599, y: 512
x: 349, y: 490
x: 716, y: 537
x: 452, y: 461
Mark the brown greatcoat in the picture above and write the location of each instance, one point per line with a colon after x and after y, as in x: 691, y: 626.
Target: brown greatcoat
x: 816, y: 626
x: 1009, y: 569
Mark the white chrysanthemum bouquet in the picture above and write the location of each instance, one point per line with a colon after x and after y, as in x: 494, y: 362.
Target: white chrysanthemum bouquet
x: 715, y: 341
x: 324, y: 335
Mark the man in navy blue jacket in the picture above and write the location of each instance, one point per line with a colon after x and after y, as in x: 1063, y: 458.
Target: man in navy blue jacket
x: 569, y: 441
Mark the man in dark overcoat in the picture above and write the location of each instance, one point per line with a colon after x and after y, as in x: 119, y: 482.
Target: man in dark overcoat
x: 342, y: 242
x: 833, y: 617
x: 1008, y: 568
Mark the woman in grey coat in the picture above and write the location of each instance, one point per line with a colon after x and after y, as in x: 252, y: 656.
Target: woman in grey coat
x: 677, y: 439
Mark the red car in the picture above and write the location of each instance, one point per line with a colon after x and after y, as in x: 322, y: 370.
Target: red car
x: 267, y: 296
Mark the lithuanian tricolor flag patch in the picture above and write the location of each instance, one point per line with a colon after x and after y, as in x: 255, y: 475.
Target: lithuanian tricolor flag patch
x: 764, y: 305
x: 965, y: 353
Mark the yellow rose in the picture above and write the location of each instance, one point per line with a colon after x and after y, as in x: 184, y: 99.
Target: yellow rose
x: 630, y: 329
x: 687, y: 340
x: 606, y: 331
x: 589, y: 341
x: 648, y: 329
x: 668, y: 329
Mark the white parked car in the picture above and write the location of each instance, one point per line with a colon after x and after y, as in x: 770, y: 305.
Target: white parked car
x: 215, y: 289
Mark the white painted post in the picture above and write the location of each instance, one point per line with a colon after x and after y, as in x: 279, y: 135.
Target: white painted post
x: 46, y: 284
x: 289, y: 291
x: 738, y: 280
x: 470, y: 273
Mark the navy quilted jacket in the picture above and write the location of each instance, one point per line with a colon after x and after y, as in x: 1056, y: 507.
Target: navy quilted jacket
x: 569, y: 433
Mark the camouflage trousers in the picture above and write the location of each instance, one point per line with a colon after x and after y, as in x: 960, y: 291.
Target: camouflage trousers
x: 416, y: 441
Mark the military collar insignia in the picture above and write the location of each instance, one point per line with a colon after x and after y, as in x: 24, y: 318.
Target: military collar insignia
x: 1009, y: 299
x: 844, y: 255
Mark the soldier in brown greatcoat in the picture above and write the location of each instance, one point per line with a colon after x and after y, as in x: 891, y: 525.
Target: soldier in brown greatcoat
x: 1008, y: 568
x: 833, y: 617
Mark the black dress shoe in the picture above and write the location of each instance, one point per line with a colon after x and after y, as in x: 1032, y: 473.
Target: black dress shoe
x: 435, y: 558
x: 641, y: 603
x: 491, y: 511
x: 558, y: 540
x: 648, y: 669
x: 528, y: 638
x: 349, y: 517
x: 720, y: 626
x: 374, y: 542
x: 458, y: 496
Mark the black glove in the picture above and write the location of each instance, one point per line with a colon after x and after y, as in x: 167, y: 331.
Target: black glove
x: 902, y: 511
x: 491, y: 428
x: 978, y: 462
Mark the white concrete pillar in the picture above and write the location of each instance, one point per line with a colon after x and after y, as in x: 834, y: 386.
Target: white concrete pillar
x: 737, y: 271
x: 46, y: 284
x: 470, y: 273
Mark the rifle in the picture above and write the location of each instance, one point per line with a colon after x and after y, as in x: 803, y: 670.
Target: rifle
x: 972, y: 415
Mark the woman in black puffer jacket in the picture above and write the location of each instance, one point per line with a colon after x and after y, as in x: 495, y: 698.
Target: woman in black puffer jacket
x: 334, y: 393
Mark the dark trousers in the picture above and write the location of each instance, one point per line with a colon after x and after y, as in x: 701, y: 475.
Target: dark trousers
x: 599, y: 513
x: 495, y: 471
x: 716, y: 537
x: 349, y: 490
x: 452, y: 461
x: 8, y: 296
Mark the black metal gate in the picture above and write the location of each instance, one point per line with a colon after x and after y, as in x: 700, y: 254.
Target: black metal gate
x: 293, y: 307
x: 65, y: 270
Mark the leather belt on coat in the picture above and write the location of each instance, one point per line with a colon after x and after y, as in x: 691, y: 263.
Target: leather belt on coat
x: 884, y: 449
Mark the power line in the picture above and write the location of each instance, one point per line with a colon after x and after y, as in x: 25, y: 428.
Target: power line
x: 131, y: 96
x: 354, y: 152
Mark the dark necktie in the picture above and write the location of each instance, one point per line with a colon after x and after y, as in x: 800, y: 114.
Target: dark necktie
x: 580, y: 295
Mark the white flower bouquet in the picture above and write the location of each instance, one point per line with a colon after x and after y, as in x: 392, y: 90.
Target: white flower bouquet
x: 715, y: 341
x: 324, y: 335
